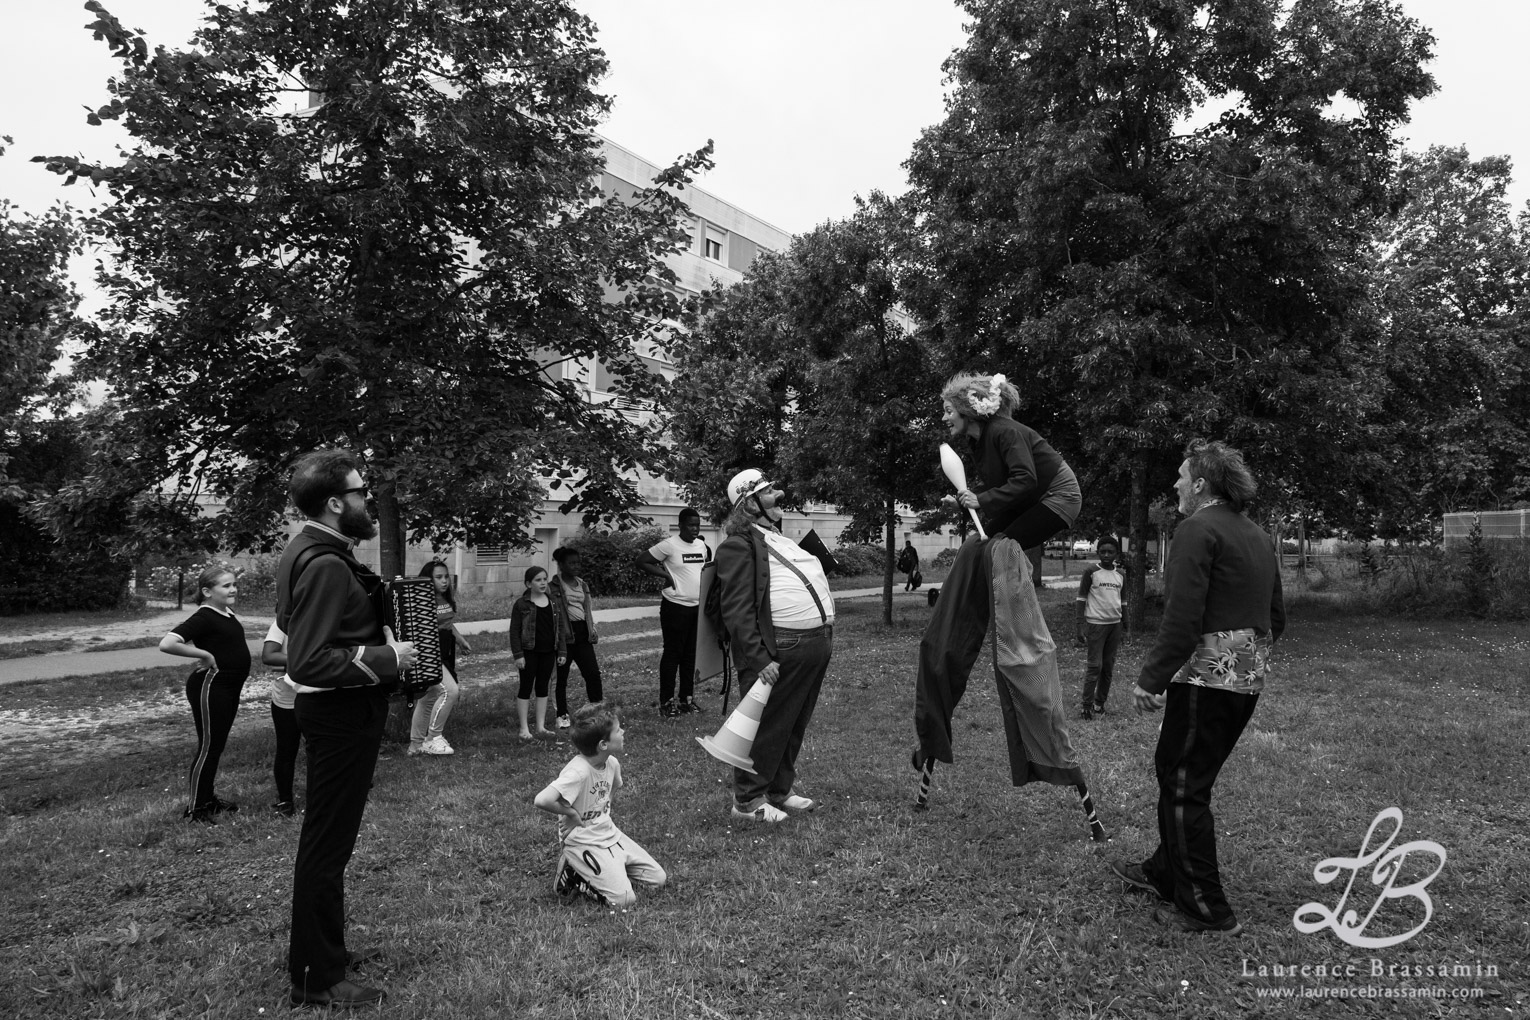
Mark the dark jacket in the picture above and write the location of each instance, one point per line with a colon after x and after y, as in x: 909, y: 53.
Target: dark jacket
x: 523, y: 627
x: 334, y: 637
x: 559, y: 593
x: 1222, y: 575
x: 1015, y: 468
x: 744, y: 574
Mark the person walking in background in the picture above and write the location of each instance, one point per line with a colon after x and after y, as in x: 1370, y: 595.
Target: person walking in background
x: 568, y: 589
x: 779, y: 616
x: 214, y: 637
x: 678, y: 559
x: 908, y: 562
x: 1101, y: 592
x: 273, y: 652
x: 434, y: 707
x: 1223, y: 612
x: 344, y: 662
x: 539, y: 642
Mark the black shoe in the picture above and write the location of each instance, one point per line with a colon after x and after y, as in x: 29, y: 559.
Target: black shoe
x: 1178, y: 919
x: 670, y: 709
x: 224, y: 807
x: 689, y: 707
x: 1099, y: 710
x: 570, y: 883
x: 284, y: 808
x: 341, y: 993
x: 206, y: 815
x: 1087, y: 713
x: 1134, y: 876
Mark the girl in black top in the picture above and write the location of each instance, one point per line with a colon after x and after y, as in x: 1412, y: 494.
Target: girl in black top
x: 214, y: 636
x: 539, y: 642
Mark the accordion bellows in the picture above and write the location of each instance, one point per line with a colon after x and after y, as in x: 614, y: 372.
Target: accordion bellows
x: 411, y: 606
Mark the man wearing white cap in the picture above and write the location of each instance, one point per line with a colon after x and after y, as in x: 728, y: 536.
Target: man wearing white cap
x: 779, y: 615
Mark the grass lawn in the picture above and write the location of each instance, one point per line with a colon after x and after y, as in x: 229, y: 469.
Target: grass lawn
x: 991, y: 904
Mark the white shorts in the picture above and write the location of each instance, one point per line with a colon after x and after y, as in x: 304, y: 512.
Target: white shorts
x: 605, y: 873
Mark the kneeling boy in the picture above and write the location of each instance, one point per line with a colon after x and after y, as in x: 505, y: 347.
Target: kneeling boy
x: 599, y: 860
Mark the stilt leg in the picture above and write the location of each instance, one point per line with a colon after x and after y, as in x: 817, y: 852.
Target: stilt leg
x: 1096, y: 830
x: 926, y: 775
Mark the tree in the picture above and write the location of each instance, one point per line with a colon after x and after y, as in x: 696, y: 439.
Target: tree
x: 810, y: 370
x: 401, y: 269
x: 1452, y: 272
x: 1151, y: 278
x: 37, y: 304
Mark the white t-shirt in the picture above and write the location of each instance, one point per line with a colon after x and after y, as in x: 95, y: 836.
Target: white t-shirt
x: 589, y: 790
x: 283, y: 690
x: 684, y: 561
x: 790, y: 603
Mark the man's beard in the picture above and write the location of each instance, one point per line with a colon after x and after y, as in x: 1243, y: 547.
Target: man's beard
x: 356, y: 523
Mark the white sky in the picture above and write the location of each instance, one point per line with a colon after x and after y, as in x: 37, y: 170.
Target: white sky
x: 810, y: 102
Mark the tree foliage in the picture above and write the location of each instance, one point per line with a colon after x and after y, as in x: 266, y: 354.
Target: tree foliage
x: 1153, y: 214
x: 402, y: 269
x: 1452, y: 271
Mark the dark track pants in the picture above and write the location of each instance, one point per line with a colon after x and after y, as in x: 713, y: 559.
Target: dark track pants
x: 214, y: 703
x: 804, y: 658
x: 678, y: 624
x: 344, y: 730
x: 582, y: 654
x: 1200, y: 727
x: 284, y: 721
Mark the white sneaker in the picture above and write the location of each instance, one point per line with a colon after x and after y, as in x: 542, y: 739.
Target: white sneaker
x: 795, y: 803
x: 564, y: 722
x: 764, y: 813
x: 437, y: 745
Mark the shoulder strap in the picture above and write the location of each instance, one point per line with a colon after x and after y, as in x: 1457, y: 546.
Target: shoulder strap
x: 800, y: 576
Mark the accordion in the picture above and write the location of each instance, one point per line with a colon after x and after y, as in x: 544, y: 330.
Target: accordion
x: 409, y: 607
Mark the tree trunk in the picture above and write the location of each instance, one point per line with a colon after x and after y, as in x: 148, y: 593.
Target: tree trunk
x: 892, y: 553
x: 1136, y: 577
x: 390, y: 531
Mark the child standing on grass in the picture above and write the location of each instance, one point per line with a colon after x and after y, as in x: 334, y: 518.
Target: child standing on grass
x: 273, y: 652
x: 598, y: 859
x: 1100, y: 593
x: 214, y: 636
x: 539, y: 642
x: 432, y: 709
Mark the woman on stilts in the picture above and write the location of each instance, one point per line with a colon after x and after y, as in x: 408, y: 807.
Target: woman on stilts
x: 1024, y: 494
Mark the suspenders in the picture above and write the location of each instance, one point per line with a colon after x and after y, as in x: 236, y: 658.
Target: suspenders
x: 800, y: 576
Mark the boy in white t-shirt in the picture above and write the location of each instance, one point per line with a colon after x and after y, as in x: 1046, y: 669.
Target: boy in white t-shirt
x: 1100, y: 594
x: 598, y: 860
x: 678, y: 559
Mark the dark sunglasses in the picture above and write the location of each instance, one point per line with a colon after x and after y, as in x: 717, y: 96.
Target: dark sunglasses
x: 365, y: 490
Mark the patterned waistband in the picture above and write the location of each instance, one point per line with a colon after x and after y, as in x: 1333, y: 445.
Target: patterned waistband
x: 1229, y: 660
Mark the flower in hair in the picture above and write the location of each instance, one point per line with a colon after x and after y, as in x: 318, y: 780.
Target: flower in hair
x: 987, y: 406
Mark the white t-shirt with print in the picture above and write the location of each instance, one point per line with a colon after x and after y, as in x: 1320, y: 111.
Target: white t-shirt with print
x: 589, y: 790
x: 684, y: 561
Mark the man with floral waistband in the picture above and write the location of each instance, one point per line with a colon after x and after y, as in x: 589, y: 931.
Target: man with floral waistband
x: 1222, y: 614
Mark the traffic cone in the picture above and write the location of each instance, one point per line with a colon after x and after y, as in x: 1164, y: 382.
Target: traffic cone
x: 733, y: 740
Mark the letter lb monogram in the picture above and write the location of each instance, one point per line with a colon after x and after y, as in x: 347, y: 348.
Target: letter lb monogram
x: 1311, y: 917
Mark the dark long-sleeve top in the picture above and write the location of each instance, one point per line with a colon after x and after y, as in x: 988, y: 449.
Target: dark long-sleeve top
x: 1015, y: 470
x: 523, y: 627
x: 1222, y: 575
x: 744, y: 573
x: 334, y: 637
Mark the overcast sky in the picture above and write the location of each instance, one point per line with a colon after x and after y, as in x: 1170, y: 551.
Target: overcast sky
x: 810, y: 102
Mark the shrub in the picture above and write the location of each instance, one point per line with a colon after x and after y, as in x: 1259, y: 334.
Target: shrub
x: 945, y: 557
x: 1490, y: 580
x: 62, y: 583
x: 606, y: 560
x: 855, y: 560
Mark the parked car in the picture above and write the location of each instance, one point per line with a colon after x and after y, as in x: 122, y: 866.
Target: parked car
x: 1082, y: 547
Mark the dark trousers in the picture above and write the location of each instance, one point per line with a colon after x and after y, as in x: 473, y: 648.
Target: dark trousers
x: 1200, y: 727
x: 804, y: 658
x: 537, y: 674
x: 284, y: 721
x: 582, y: 654
x: 1034, y: 527
x: 344, y: 731
x: 1102, y: 640
x: 213, y: 707
x: 678, y: 624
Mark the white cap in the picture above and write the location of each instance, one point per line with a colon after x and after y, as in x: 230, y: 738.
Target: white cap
x: 746, y: 483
